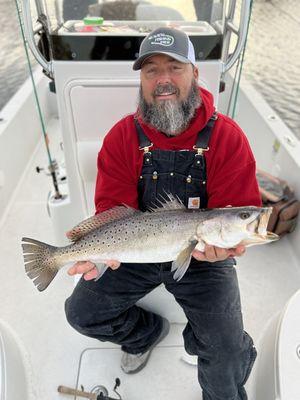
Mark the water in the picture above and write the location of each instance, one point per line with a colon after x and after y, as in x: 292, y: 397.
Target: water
x: 13, y: 63
x: 273, y: 57
x: 272, y: 62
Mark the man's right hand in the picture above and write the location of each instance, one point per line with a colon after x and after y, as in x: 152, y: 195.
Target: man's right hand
x: 89, y: 270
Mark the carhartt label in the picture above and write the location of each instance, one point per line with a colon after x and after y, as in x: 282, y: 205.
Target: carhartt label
x: 162, y: 39
x: 194, y: 202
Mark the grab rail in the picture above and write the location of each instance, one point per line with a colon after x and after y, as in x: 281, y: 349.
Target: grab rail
x: 29, y: 33
x: 240, y: 31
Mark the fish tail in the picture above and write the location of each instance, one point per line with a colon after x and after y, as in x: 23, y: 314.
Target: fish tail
x: 40, y: 262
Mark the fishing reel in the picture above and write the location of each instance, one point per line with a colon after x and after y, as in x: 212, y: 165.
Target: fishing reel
x: 58, y: 168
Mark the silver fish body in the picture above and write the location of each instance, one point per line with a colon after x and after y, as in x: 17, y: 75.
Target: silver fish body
x: 169, y: 233
x: 147, y: 237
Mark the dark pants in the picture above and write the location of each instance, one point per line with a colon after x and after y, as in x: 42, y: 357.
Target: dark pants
x: 209, y: 295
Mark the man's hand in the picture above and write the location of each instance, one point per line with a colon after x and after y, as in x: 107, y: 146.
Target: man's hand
x: 213, y: 253
x: 89, y: 270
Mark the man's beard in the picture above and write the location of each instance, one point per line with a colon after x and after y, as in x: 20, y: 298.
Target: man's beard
x: 170, y: 116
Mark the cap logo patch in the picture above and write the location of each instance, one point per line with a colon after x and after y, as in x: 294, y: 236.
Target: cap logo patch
x: 162, y: 39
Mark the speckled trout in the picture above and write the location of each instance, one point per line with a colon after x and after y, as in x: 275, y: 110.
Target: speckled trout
x: 168, y: 233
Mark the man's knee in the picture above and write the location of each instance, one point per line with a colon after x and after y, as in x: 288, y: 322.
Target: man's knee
x: 74, y: 316
x: 89, y: 321
x: 216, y: 334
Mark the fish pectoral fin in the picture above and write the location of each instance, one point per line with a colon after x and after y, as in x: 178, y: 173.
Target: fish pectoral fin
x: 182, y: 262
x: 101, y: 269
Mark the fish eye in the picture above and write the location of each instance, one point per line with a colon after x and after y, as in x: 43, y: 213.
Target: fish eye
x: 245, y: 215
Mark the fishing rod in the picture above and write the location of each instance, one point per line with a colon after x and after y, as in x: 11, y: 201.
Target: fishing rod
x: 52, y: 164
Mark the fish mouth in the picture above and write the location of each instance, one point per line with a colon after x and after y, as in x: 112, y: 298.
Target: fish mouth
x: 258, y: 228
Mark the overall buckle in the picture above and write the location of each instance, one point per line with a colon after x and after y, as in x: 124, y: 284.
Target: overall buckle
x: 146, y: 148
x: 200, y: 150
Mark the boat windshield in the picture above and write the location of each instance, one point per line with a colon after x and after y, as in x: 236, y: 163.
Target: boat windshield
x: 134, y: 17
x: 113, y: 29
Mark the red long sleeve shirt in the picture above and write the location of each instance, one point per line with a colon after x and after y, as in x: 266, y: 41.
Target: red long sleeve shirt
x: 230, y: 163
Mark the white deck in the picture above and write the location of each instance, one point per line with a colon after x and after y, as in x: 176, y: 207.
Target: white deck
x: 268, y: 276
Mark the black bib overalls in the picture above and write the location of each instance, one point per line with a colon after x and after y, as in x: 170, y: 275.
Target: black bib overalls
x: 208, y: 292
x: 182, y: 173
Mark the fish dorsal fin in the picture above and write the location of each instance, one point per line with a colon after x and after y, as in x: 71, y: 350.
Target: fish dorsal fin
x: 167, y: 202
x: 103, y: 218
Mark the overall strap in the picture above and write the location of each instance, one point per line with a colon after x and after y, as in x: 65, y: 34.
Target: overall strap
x: 204, y: 135
x: 144, y: 142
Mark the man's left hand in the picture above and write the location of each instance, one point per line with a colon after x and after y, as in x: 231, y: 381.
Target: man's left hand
x: 213, y: 253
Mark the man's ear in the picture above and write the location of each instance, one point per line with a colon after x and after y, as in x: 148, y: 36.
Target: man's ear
x: 196, y: 72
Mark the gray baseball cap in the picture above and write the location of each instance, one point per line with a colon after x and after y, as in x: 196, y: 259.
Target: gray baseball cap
x: 169, y: 41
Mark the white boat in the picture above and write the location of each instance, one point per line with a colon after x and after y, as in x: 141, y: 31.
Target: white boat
x: 95, y: 86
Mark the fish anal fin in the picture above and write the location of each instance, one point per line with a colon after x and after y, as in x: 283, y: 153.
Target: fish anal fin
x: 98, y: 220
x: 182, y: 262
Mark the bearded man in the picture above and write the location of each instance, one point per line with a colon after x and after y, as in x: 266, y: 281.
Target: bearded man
x: 175, y: 143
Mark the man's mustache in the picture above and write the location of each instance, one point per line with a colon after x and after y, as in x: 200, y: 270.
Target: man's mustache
x: 166, y: 89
